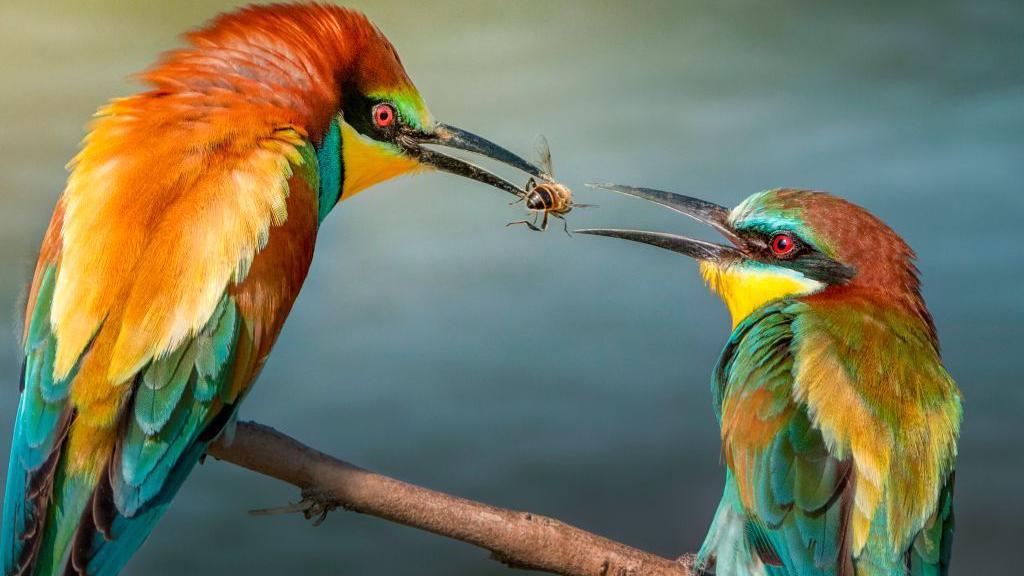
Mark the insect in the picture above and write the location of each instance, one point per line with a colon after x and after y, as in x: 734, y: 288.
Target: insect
x: 546, y: 197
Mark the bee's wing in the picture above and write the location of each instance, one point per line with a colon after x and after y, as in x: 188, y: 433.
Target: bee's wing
x: 544, y: 155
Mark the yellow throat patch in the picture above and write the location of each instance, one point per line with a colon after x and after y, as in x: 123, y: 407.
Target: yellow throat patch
x: 368, y: 162
x: 747, y: 288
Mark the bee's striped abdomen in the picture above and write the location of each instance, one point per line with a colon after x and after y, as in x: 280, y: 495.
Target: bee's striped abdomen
x: 541, y: 198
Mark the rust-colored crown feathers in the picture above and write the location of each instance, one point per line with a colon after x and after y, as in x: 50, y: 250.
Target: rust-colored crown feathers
x: 285, y: 59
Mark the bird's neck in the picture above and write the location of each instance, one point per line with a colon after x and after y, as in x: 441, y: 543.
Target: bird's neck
x: 905, y: 305
x: 748, y: 288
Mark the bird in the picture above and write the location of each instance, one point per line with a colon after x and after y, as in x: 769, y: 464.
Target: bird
x: 175, y: 252
x: 838, y: 421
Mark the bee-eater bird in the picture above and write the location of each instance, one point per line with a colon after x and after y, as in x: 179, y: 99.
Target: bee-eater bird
x: 838, y: 421
x: 175, y: 253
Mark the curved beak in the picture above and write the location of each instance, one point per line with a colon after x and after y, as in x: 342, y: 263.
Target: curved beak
x: 700, y: 210
x: 458, y: 139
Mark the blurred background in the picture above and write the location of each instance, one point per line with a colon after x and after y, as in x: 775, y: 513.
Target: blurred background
x: 570, y: 376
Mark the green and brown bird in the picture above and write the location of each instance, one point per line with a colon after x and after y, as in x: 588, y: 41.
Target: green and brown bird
x: 838, y: 420
x: 183, y: 237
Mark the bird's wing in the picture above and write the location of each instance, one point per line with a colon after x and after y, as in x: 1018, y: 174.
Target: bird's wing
x: 872, y: 378
x: 839, y: 426
x: 932, y: 550
x: 164, y: 279
x: 42, y: 419
x: 795, y: 493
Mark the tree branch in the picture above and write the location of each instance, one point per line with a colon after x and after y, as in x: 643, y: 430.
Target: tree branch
x: 519, y: 539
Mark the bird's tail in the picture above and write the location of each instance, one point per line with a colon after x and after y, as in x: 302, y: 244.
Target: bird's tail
x: 36, y: 492
x: 105, y: 540
x: 40, y: 432
x: 82, y: 496
x: 60, y: 521
x: 80, y: 531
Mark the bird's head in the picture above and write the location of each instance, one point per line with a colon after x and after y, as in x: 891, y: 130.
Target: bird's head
x: 786, y: 243
x: 330, y: 72
x: 384, y: 129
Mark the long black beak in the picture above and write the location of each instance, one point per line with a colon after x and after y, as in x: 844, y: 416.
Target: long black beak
x: 458, y: 139
x: 706, y: 212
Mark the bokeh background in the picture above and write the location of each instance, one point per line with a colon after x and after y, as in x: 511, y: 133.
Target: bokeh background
x: 569, y: 376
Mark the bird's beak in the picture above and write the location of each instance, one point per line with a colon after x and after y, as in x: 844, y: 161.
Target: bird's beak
x: 458, y: 139
x: 706, y: 212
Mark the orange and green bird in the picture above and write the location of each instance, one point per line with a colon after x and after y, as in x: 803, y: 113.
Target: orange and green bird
x: 175, y: 253
x: 838, y: 421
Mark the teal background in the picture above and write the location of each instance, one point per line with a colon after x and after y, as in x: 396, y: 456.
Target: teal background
x: 567, y: 376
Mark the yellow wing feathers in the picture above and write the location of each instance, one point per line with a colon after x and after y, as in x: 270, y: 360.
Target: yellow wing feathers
x: 152, y: 251
x: 887, y: 409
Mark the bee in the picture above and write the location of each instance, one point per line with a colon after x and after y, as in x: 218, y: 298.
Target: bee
x: 546, y: 197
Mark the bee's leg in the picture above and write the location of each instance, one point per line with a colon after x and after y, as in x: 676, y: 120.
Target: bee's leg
x: 529, y: 224
x: 565, y: 224
x: 544, y: 223
x: 530, y: 185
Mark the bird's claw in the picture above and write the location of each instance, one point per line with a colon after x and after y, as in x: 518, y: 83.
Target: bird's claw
x: 319, y: 506
x: 690, y: 562
x: 314, y: 505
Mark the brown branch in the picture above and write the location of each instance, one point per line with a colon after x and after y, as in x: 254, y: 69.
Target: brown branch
x: 519, y: 539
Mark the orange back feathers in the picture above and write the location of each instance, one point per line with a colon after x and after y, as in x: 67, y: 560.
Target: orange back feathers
x: 199, y: 165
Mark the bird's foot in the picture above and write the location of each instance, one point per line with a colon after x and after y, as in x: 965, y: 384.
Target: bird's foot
x: 690, y: 562
x: 315, y: 505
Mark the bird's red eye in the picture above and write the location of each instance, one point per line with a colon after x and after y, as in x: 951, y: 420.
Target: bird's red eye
x: 782, y: 245
x: 383, y: 115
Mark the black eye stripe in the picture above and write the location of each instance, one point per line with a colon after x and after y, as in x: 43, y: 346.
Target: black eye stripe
x: 359, y: 112
x: 760, y: 243
x: 803, y: 257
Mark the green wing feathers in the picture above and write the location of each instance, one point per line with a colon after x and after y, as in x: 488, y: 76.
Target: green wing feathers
x: 181, y: 400
x: 42, y: 422
x: 932, y: 549
x: 793, y: 475
x: 793, y: 493
x: 175, y: 399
